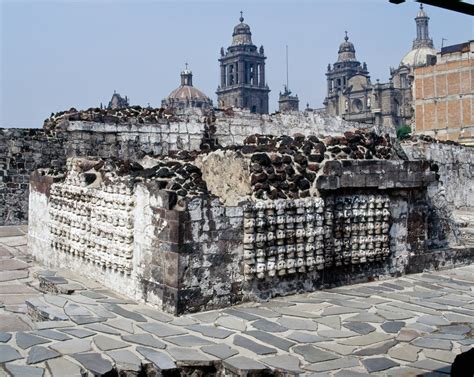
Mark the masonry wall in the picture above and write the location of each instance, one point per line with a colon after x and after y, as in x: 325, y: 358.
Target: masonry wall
x: 21, y: 152
x: 24, y: 150
x: 444, y: 100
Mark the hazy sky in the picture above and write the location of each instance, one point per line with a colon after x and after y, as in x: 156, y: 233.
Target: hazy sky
x: 61, y: 54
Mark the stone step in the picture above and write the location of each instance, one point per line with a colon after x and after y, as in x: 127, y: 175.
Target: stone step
x: 39, y: 310
x: 56, y: 285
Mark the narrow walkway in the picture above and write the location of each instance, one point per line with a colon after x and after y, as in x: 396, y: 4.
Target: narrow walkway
x: 408, y: 326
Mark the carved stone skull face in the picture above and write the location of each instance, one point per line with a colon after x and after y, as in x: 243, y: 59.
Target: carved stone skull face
x: 310, y: 261
x: 290, y: 263
x: 260, y: 205
x: 308, y: 203
x: 249, y: 254
x: 260, y: 222
x: 290, y: 249
x: 281, y: 219
x: 300, y: 248
x: 280, y: 234
x: 280, y: 205
x: 249, y: 238
x: 300, y: 233
x: 299, y: 262
x: 270, y: 236
x: 281, y: 250
x: 385, y: 214
x: 281, y: 264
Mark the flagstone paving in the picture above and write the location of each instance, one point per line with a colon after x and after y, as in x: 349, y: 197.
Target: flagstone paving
x: 415, y: 324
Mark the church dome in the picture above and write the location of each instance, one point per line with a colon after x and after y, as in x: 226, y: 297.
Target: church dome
x: 186, y: 95
x: 241, y: 34
x: 418, y: 56
x: 346, y: 51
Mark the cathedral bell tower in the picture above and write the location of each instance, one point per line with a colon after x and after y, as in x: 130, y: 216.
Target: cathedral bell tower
x: 242, y: 81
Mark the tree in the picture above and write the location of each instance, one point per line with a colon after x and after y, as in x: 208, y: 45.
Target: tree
x: 404, y: 132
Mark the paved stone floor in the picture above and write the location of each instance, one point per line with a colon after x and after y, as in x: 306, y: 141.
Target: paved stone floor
x: 408, y: 326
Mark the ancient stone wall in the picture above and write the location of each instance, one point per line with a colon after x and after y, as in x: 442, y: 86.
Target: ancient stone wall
x: 21, y: 152
x: 132, y: 134
x: 454, y: 166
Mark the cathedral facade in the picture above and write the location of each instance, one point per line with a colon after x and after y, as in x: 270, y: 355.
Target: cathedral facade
x: 352, y: 95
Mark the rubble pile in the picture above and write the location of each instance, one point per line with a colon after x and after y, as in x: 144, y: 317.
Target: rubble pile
x: 132, y: 114
x: 285, y: 167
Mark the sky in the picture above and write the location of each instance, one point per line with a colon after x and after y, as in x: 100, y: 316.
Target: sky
x: 55, y: 55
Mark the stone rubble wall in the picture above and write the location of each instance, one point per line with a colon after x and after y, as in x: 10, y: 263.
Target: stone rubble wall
x: 24, y: 150
x: 455, y: 168
x: 21, y: 152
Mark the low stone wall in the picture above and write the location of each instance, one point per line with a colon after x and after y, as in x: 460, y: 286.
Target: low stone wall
x: 162, y: 236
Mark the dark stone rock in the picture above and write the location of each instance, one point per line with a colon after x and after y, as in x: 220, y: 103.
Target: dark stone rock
x: 261, y: 158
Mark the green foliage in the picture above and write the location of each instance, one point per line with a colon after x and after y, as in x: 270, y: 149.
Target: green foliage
x: 404, y: 132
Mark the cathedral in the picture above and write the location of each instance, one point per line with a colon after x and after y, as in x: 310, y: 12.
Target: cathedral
x: 350, y: 92
x: 352, y: 95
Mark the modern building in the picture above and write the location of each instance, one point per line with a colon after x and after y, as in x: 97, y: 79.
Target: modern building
x: 186, y: 95
x: 242, y: 73
x: 352, y: 95
x: 444, y: 95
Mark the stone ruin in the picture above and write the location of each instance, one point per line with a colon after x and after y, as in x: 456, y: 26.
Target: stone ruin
x: 198, y: 230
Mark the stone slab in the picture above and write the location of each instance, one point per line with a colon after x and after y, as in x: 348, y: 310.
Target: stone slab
x: 285, y: 363
x: 94, y: 362
x: 144, y: 339
x: 346, y: 362
x: 106, y: 343
x: 13, y: 275
x: 404, y: 352
x: 61, y: 367
x: 8, y: 353
x: 433, y: 343
x: 38, y: 354
x: 189, y: 357
x: 359, y: 327
x: 161, y: 330
x: 252, y: 346
x: 242, y: 364
x: 378, y: 364
x: 126, y: 360
x: 23, y: 370
x: 365, y: 340
x: 270, y: 339
x: 12, y: 264
x: 162, y: 361
x: 314, y: 355
x: 12, y: 322
x: 26, y: 340
x: 51, y: 334
x: 305, y: 337
x: 72, y: 346
x: 297, y: 323
x: 211, y: 331
x: 188, y: 341
x: 221, y: 351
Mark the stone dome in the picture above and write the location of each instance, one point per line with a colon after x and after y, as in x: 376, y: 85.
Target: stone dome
x: 418, y: 56
x: 346, y: 51
x: 241, y: 34
x: 186, y: 95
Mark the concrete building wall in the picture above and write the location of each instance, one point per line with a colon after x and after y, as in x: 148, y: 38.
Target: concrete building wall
x: 444, y: 98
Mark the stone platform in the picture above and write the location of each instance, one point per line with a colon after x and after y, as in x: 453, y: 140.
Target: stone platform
x: 53, y: 323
